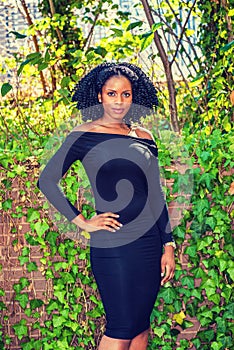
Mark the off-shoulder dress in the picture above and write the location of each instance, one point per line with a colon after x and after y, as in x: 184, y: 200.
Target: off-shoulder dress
x: 124, y: 176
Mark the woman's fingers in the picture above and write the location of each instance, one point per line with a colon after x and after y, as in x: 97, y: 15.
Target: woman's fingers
x: 166, y: 277
x: 106, y: 221
x: 169, y: 270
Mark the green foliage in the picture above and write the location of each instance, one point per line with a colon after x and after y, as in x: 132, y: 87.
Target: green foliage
x: 73, y: 312
x: 205, y: 225
x: 5, y: 89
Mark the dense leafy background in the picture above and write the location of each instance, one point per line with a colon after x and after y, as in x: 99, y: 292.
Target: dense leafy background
x: 71, y: 317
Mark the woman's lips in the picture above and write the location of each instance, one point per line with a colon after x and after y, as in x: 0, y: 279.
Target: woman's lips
x: 118, y: 110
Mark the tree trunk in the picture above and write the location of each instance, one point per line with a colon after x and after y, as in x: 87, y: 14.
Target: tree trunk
x: 167, y: 68
x: 52, y: 10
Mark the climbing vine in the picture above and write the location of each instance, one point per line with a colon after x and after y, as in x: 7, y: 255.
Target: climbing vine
x: 69, y: 313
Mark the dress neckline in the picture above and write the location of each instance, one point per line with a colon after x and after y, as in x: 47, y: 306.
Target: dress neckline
x: 132, y: 129
x: 115, y: 134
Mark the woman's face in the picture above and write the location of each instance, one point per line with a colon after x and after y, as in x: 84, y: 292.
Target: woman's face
x: 116, y: 97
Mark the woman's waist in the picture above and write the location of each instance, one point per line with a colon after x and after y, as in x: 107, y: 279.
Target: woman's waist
x: 140, y: 226
x: 133, y: 212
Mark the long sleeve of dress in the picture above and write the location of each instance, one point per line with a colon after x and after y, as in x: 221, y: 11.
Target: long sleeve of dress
x: 157, y: 201
x: 57, y: 166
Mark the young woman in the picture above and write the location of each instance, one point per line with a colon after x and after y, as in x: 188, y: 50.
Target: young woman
x: 131, y: 244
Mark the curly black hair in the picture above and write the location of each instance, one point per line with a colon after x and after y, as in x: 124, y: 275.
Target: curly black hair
x: 86, y: 91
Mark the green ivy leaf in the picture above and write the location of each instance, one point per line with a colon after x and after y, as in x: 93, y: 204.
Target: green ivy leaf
x: 216, y: 345
x: 156, y: 26
x: 159, y: 332
x: 65, y: 82
x: 32, y: 215
x: 231, y: 272
x: 101, y: 51
x: 94, y: 313
x: 168, y: 294
x: 58, y: 321
x: 18, y: 35
x: 51, y: 237
x: 72, y: 325
x: 118, y: 32
x: 208, y: 335
x: 179, y: 232
x: 196, y: 293
x: 146, y: 40
x: 53, y: 305
x: 7, y: 204
x: 36, y: 303
x: 28, y: 312
x: 6, y: 87
x: 41, y: 228
x: 229, y: 311
x: 205, y: 242
x: 188, y: 281
x: 227, y: 46
x: 134, y: 25
x: 226, y: 292
x: 23, y: 299
x: 2, y: 306
x: 32, y: 266
x: 191, y: 251
x: 63, y: 92
x: 31, y: 240
x: 60, y: 295
x: 23, y: 260
x: 21, y: 329
x: 211, y: 222
x: 67, y: 277
x: 42, y: 66
x: 226, y: 124
x: 21, y: 67
x: 215, y: 298
x: 25, y: 251
x: 223, y: 264
x: 24, y: 282
x: 78, y: 292
x: 82, y: 255
x: 17, y: 287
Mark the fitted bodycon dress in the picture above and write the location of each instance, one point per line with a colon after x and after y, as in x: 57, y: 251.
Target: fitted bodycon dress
x: 124, y: 176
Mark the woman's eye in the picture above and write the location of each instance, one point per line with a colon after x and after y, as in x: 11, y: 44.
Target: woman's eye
x: 126, y: 94
x: 110, y: 93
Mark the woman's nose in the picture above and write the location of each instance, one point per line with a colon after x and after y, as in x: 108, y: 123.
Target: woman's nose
x: 119, y: 99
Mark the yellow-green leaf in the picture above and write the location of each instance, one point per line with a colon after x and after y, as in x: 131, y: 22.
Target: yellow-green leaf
x: 179, y: 318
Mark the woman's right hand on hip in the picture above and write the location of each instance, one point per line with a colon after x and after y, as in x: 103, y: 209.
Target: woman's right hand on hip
x: 105, y: 221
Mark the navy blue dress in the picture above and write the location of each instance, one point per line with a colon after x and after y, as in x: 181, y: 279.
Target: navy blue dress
x: 124, y: 176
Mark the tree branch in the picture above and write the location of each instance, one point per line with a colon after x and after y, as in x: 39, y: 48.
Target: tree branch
x: 175, y: 39
x: 91, y: 29
x: 30, y: 22
x: 52, y: 10
x: 183, y: 31
x: 229, y: 21
x: 178, y: 22
x: 167, y: 68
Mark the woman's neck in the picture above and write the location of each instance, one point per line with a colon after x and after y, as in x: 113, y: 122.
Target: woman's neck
x: 105, y: 122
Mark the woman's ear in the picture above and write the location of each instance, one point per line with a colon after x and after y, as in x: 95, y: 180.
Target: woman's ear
x: 99, y: 97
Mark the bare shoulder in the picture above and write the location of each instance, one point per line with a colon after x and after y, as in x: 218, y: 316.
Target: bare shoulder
x: 144, y: 133
x: 84, y: 127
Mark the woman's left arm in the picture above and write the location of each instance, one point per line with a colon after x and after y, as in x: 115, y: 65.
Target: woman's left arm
x: 159, y: 208
x: 160, y: 211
